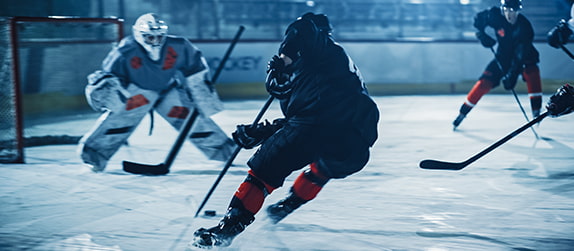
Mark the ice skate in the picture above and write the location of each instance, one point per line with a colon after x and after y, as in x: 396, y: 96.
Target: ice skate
x: 234, y: 222
x: 281, y: 209
x: 458, y: 120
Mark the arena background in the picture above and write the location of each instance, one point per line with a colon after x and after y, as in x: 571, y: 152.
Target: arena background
x: 401, y: 46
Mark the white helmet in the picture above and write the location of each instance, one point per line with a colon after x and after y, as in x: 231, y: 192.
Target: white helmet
x: 150, y: 32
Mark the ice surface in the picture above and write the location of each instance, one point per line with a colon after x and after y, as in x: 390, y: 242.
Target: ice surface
x: 518, y: 197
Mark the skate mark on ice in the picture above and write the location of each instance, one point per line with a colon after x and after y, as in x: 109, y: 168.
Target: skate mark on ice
x: 429, y: 234
x: 179, y: 238
x: 78, y: 243
x: 316, y: 228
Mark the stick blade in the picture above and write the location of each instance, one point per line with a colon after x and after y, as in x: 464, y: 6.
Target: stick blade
x: 440, y: 165
x: 144, y: 169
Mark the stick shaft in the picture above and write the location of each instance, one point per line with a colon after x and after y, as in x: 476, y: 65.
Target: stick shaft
x: 190, y: 120
x: 567, y: 51
x: 507, y: 138
x: 230, y: 160
x: 436, y: 164
x: 515, y: 96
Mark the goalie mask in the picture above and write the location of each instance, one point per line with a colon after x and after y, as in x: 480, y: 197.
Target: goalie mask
x: 150, y: 32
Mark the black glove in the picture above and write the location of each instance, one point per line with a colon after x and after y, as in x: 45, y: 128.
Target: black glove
x: 481, y: 20
x: 249, y: 136
x: 485, y: 39
x: 276, y: 64
x: 562, y: 102
x: 510, y: 79
x: 279, y: 86
x: 559, y: 34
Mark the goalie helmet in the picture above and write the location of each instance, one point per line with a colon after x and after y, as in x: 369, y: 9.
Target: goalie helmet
x: 150, y: 32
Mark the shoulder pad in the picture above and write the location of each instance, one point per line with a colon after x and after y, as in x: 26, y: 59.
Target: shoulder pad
x: 127, y: 44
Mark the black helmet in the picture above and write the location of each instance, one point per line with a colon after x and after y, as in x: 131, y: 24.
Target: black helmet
x: 511, y: 4
x: 320, y: 20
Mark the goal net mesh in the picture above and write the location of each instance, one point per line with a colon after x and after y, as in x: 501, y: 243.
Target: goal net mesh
x: 44, y: 64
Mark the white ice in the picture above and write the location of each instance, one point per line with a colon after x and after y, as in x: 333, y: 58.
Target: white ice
x: 518, y: 197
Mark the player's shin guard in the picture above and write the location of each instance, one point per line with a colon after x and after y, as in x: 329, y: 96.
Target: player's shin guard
x: 482, y: 87
x: 305, y: 188
x: 251, y: 194
x: 533, y: 82
x: 245, y: 203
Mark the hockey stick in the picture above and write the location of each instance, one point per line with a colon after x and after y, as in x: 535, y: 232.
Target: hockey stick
x: 230, y: 160
x: 163, y: 168
x: 442, y: 165
x: 567, y: 51
x: 515, y: 96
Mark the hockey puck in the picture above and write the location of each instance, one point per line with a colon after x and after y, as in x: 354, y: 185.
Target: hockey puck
x: 209, y: 212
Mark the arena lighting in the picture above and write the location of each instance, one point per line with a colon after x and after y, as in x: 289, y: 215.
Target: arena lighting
x: 465, y: 2
x: 310, y: 3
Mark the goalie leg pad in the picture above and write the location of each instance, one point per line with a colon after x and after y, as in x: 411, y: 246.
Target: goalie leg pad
x: 204, y: 97
x: 206, y: 135
x: 111, y: 131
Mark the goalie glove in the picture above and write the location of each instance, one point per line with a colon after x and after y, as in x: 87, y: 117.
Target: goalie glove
x: 249, y: 136
x: 561, y: 102
x: 105, y: 91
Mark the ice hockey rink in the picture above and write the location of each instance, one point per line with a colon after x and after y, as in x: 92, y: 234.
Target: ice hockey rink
x: 518, y: 197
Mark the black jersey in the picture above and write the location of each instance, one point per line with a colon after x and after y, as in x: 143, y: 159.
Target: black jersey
x: 329, y: 92
x: 515, y: 41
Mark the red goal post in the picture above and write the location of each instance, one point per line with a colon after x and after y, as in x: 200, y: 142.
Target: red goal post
x: 46, y: 57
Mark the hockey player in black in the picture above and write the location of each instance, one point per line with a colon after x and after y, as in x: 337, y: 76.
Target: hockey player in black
x: 330, y: 124
x: 560, y: 34
x: 515, y: 54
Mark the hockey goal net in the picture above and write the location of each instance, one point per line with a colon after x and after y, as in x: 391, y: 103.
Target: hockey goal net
x: 44, y: 64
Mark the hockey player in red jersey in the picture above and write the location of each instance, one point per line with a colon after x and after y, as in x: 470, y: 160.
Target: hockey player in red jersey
x: 515, y: 54
x: 330, y: 124
x: 151, y: 71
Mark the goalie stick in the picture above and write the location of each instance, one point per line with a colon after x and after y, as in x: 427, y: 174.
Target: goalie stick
x: 443, y: 165
x: 163, y: 168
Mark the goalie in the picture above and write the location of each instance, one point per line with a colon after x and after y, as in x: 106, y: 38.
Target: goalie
x: 151, y: 71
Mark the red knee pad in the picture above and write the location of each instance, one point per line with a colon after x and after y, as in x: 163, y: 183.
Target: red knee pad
x: 136, y: 101
x: 252, y: 193
x: 180, y: 112
x: 482, y: 87
x: 309, y: 183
